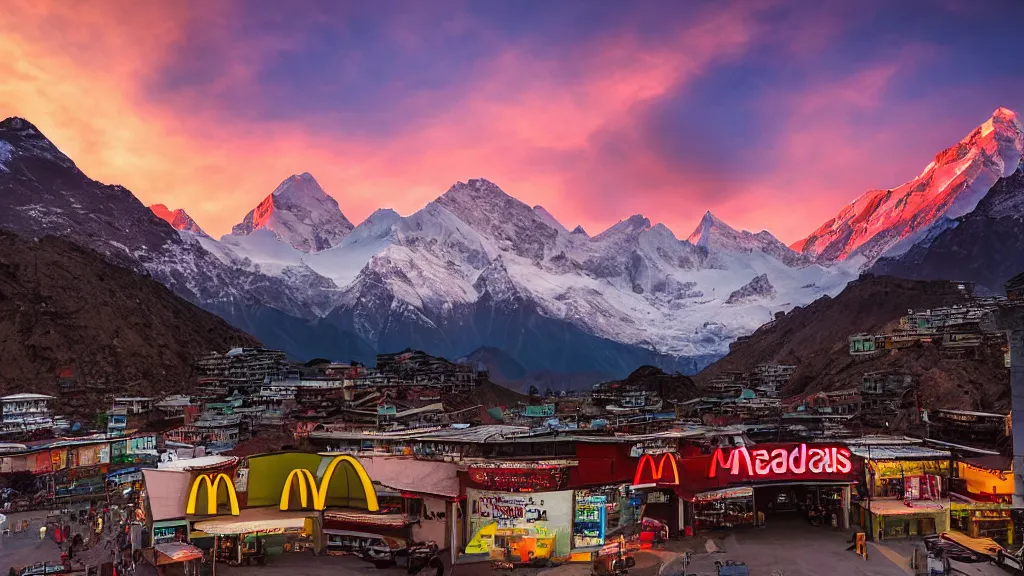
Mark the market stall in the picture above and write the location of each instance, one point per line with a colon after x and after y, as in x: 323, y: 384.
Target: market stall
x: 176, y: 558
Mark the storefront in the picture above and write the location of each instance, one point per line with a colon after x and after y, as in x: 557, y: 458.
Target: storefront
x: 726, y: 508
x: 895, y: 519
x: 256, y: 532
x: 736, y: 486
x: 655, y: 484
x: 165, y: 531
x: 503, y: 521
x: 905, y: 490
x: 601, y: 512
x: 983, y: 520
x: 981, y: 495
x: 520, y: 506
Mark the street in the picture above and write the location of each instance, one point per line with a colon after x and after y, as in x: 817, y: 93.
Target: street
x: 788, y: 547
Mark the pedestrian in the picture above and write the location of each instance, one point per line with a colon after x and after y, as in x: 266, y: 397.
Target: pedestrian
x: 42, y: 532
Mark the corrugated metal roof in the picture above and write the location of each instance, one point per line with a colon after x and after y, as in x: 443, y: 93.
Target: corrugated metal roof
x: 879, y: 440
x: 973, y: 413
x: 899, y: 453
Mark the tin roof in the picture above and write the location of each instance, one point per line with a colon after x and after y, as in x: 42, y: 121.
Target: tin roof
x: 972, y: 413
x: 899, y: 453
x: 26, y: 396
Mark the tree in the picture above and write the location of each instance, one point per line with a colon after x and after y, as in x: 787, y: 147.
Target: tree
x: 533, y: 392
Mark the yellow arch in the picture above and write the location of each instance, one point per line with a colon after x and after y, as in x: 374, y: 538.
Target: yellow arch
x: 364, y: 479
x: 306, y: 479
x: 211, y: 494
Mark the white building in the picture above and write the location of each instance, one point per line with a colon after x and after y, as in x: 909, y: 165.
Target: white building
x: 134, y: 404
x: 25, y: 412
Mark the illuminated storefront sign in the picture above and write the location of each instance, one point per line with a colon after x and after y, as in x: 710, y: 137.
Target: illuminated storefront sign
x: 211, y: 494
x: 647, y: 474
x: 309, y: 490
x: 762, y: 462
x: 520, y: 477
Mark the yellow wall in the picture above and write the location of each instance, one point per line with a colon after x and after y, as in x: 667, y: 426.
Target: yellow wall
x: 980, y: 480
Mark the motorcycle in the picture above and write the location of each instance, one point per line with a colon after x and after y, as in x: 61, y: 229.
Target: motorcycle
x: 417, y: 556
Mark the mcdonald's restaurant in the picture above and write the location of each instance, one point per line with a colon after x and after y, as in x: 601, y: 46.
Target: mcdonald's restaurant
x: 273, y: 505
x: 299, y: 502
x: 726, y: 486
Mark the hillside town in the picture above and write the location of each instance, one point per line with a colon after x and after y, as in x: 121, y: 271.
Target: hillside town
x: 438, y: 462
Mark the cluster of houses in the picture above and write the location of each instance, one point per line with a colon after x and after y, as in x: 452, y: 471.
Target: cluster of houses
x: 424, y: 456
x: 957, y: 331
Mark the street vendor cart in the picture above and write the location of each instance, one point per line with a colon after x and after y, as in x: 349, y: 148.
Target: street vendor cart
x: 520, y: 546
x: 612, y: 559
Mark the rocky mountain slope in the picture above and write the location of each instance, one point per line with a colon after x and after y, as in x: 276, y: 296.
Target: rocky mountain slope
x: 63, y: 306
x: 889, y: 222
x: 985, y: 246
x: 42, y: 192
x: 815, y: 339
x: 674, y: 388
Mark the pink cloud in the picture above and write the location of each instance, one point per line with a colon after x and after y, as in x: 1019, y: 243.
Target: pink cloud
x: 562, y: 134
x: 187, y: 153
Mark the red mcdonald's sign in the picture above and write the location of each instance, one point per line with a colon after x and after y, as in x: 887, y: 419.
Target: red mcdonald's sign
x: 647, y: 474
x: 764, y: 463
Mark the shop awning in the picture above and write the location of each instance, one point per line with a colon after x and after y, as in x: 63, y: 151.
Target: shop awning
x: 899, y: 508
x: 724, y: 494
x: 365, y: 519
x: 254, y: 520
x: 174, y: 552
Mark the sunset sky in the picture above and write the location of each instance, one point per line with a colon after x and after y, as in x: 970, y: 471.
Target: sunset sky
x: 771, y: 114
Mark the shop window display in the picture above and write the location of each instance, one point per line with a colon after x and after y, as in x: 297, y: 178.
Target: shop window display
x: 599, y: 512
x: 724, y: 509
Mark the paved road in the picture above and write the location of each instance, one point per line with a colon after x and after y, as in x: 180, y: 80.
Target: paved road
x: 787, y: 547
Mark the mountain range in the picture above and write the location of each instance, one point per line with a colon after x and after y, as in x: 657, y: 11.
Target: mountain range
x: 476, y: 268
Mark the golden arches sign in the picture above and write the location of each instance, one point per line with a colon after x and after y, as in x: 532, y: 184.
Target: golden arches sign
x: 211, y: 494
x: 308, y: 485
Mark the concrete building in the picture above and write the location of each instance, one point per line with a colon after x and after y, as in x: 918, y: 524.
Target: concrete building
x: 25, y: 413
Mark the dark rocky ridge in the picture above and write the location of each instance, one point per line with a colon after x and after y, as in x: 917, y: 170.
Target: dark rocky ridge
x: 65, y: 306
x: 985, y: 247
x: 670, y: 387
x: 759, y: 287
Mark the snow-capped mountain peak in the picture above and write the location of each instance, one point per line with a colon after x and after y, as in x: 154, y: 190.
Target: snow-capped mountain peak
x: 299, y: 212
x: 709, y: 225
x: 717, y: 237
x: 628, y: 228
x: 888, y: 222
x: 512, y: 225
x: 178, y: 219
